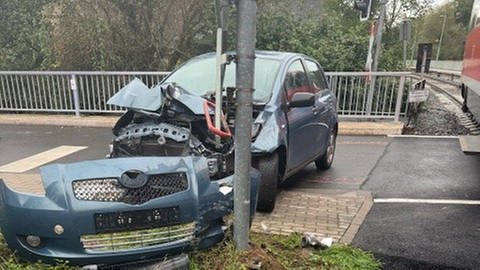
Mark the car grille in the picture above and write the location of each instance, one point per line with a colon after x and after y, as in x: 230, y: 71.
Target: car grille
x: 110, y: 190
x: 119, y: 241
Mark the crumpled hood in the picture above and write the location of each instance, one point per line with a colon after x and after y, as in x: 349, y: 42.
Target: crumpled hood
x: 136, y: 95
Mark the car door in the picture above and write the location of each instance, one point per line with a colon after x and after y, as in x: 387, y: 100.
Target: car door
x: 324, y: 102
x: 303, y: 126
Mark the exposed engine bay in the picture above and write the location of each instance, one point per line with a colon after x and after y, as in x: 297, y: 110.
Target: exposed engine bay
x: 181, y: 126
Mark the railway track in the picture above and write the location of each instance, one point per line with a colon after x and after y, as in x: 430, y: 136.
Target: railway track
x: 449, y: 93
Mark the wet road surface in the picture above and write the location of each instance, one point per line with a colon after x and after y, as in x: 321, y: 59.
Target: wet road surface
x: 424, y: 234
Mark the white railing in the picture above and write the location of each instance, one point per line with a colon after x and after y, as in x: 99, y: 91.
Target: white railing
x: 359, y: 94
x: 371, y: 94
x: 65, y: 91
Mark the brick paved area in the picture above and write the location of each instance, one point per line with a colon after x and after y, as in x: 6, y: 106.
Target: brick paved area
x: 325, y: 213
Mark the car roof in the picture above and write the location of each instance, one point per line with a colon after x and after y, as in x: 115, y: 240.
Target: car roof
x: 275, y: 55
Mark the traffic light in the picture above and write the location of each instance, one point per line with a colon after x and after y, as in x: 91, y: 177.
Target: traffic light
x: 364, y: 7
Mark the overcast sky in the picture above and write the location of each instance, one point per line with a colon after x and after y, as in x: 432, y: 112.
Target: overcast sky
x: 440, y: 2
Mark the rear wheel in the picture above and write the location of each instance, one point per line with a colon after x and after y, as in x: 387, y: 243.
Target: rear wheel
x: 267, y: 192
x: 325, y: 161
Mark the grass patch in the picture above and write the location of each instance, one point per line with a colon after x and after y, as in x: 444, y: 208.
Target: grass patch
x: 8, y: 261
x: 273, y: 252
x: 345, y: 258
x: 282, y: 252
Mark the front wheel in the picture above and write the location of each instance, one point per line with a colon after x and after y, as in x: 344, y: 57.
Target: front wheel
x: 267, y: 193
x: 325, y: 161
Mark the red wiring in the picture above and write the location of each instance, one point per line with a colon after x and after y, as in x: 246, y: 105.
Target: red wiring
x: 211, y: 127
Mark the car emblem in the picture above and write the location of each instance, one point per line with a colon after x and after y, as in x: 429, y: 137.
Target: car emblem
x: 133, y: 179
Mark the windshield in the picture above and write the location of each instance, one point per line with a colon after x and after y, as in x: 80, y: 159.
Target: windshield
x: 198, y: 77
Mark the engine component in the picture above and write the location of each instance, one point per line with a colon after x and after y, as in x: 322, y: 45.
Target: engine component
x: 178, y: 134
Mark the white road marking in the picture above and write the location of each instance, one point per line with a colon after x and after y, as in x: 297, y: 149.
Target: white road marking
x: 426, y: 201
x: 422, y: 136
x: 39, y: 159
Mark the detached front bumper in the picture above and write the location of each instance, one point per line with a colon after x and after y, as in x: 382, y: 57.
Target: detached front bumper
x: 89, y: 216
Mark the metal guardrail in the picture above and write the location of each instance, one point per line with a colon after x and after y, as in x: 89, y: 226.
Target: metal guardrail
x: 88, y: 92
x: 65, y: 91
x: 446, y: 76
x: 371, y: 94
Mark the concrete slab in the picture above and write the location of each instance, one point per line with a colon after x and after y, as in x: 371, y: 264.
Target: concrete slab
x: 470, y: 144
x: 369, y: 128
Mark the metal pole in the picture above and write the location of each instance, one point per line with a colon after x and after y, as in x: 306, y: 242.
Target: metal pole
x: 405, y: 54
x: 398, y: 104
x: 246, y: 32
x: 76, y: 96
x: 441, y: 36
x: 378, y: 45
x: 218, y: 82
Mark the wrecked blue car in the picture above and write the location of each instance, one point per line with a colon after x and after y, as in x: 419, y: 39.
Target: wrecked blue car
x: 118, y: 210
x: 167, y: 186
x: 294, y: 118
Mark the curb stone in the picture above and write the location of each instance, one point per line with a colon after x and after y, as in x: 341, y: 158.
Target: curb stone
x: 345, y: 127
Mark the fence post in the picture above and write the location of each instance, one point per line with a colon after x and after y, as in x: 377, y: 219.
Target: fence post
x: 76, y: 97
x: 398, y: 104
x: 370, y: 95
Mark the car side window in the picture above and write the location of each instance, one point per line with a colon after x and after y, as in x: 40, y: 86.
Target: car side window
x: 296, y: 80
x: 316, y: 76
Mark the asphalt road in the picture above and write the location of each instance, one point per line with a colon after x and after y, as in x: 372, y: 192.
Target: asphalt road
x: 355, y: 156
x: 420, y: 235
x: 17, y: 142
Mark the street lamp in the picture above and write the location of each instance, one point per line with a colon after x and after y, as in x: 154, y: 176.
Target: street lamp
x: 441, y: 34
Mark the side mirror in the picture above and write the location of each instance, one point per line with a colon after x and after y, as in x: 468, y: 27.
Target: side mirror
x: 302, y: 99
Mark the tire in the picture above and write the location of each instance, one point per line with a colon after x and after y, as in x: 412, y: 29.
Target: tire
x: 267, y: 193
x: 325, y: 161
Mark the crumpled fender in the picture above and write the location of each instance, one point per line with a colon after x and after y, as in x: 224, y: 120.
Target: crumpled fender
x: 273, y: 134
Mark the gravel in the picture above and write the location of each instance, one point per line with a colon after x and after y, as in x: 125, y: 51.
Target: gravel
x: 438, y: 116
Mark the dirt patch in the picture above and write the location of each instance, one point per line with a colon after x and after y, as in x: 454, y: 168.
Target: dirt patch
x: 260, y: 258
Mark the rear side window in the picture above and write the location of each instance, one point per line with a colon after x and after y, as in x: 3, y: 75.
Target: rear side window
x: 315, y: 75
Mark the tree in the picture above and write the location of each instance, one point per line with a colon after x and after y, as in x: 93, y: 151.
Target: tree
x: 430, y: 31
x: 160, y: 34
x: 20, y: 39
x: 122, y: 35
x: 463, y: 9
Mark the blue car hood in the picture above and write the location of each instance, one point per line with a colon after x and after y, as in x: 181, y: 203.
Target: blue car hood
x: 136, y: 95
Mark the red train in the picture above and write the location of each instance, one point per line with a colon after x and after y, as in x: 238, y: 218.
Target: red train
x: 471, y: 65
